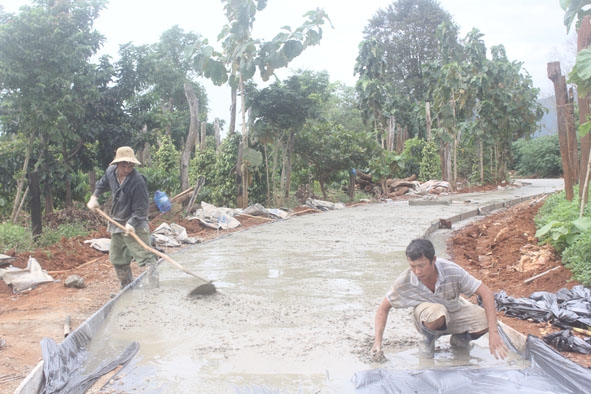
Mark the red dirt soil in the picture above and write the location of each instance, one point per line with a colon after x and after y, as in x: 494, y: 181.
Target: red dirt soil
x: 490, y: 249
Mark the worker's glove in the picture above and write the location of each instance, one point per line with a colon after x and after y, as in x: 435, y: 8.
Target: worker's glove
x: 93, y: 203
x: 129, y: 229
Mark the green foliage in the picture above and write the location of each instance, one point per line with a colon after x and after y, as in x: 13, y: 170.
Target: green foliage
x: 561, y: 234
x: 159, y: 179
x: 66, y: 230
x: 539, y: 157
x: 555, y: 217
x: 385, y: 164
x: 412, y: 154
x: 165, y: 172
x: 430, y: 166
x: 558, y: 221
x: 15, y: 237
x: 20, y: 239
x: 167, y: 157
x: 224, y: 191
x: 328, y: 150
x: 577, y: 258
x: 12, y: 152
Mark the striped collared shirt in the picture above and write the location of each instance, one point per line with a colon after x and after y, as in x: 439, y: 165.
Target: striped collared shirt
x: 452, y: 280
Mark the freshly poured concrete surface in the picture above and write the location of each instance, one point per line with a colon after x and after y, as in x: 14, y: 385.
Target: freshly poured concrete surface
x: 295, y: 305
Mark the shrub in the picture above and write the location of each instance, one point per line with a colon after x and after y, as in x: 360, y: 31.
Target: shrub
x: 538, y: 157
x: 576, y: 257
x: 555, y: 221
x: 412, y: 155
x: 430, y: 163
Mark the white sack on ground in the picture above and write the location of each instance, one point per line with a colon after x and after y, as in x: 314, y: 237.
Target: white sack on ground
x: 259, y: 210
x: 214, y: 217
x: 100, y: 244
x: 23, y: 279
x: 323, y: 205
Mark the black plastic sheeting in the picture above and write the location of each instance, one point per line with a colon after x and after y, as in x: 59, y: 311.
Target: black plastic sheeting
x: 61, y: 363
x: 565, y: 309
x: 549, y: 372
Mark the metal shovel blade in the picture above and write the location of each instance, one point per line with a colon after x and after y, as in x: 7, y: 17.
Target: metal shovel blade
x: 204, y: 289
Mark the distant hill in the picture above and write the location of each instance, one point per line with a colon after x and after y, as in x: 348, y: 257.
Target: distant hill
x: 549, y: 123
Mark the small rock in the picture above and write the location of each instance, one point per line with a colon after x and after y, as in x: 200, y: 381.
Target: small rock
x: 75, y: 281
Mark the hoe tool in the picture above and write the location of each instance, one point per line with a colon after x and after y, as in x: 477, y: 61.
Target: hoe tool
x: 204, y: 289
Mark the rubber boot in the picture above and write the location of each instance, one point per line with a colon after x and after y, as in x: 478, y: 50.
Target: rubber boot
x: 460, y: 340
x: 123, y: 274
x: 427, y: 343
x: 153, y: 275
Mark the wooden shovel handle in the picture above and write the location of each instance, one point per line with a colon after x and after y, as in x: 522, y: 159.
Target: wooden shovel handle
x: 149, y: 248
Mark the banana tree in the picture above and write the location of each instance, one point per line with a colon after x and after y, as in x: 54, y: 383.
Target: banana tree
x: 243, y: 55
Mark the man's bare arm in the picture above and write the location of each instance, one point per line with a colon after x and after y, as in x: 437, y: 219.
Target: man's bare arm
x: 380, y: 324
x: 495, y: 343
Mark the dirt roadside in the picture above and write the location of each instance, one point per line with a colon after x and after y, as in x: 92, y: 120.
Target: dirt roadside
x: 489, y: 248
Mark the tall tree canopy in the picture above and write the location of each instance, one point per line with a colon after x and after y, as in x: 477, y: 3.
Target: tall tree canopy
x: 398, y: 41
x: 48, y: 83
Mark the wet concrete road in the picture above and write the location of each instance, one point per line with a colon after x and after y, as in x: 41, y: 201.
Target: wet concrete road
x: 295, y: 307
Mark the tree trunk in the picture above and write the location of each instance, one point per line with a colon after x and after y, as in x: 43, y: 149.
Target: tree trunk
x: 585, y: 188
x: 35, y: 204
x: 323, y: 189
x: 191, y: 135
x: 481, y: 157
x: 584, y: 40
x: 284, y: 165
x: 21, y: 182
x: 202, y: 142
x: 218, y: 136
x: 563, y: 112
x: 92, y: 179
x: 290, y: 147
x: 232, y: 127
x: 274, y: 191
x: 351, y: 186
x: 266, y: 153
x: 428, y: 119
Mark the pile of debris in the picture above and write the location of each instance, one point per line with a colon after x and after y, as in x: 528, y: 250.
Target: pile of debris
x: 392, y: 188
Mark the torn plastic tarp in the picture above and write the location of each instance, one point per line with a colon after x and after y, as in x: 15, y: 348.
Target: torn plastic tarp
x: 549, y: 372
x: 22, y: 279
x: 62, y: 364
x: 566, y: 308
x: 566, y: 341
x: 58, y: 373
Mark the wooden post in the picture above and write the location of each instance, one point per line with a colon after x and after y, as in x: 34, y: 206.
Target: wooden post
x: 35, y: 204
x: 562, y: 111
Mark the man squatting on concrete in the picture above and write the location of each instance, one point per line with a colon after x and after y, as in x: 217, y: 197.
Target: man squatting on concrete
x: 432, y: 286
x: 130, y: 208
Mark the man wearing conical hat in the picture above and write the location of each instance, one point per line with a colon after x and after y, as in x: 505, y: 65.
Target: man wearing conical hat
x: 129, y: 193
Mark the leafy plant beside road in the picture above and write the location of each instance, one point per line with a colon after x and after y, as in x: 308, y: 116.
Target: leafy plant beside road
x: 560, y: 225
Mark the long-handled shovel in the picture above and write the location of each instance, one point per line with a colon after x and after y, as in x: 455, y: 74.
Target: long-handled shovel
x: 206, y: 288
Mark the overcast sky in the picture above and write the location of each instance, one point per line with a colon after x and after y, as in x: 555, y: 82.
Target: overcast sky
x: 532, y: 31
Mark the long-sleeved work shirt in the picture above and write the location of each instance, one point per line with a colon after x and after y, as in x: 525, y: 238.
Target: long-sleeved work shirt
x: 130, y: 199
